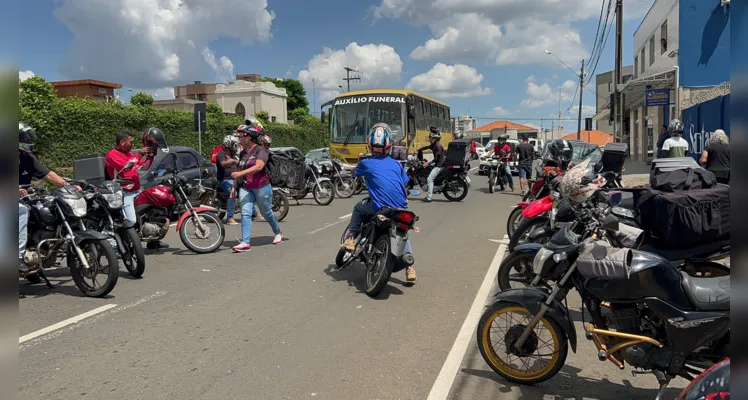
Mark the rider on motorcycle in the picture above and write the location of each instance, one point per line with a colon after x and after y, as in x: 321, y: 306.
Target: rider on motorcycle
x: 438, y: 162
x: 502, y: 150
x: 386, y: 180
x: 227, y: 160
x: 29, y: 167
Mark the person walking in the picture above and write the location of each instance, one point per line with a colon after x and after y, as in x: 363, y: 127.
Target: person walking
x: 252, y: 181
x: 664, y: 135
x: 525, y: 155
x: 716, y: 156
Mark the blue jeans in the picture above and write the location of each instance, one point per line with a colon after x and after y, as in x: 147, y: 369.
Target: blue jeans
x: 226, y: 186
x: 23, y: 223
x: 362, y: 211
x: 509, y: 176
x: 128, y: 198
x: 264, y: 199
x: 430, y: 181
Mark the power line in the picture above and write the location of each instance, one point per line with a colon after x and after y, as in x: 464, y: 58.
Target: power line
x: 598, y: 51
x: 572, y: 100
x: 524, y: 119
x: 597, y: 31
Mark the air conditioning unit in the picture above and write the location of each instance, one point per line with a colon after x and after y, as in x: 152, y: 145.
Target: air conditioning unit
x: 724, y: 2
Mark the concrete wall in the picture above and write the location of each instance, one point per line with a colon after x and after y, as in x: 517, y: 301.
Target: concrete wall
x: 705, y: 26
x: 255, y: 97
x: 650, y: 27
x: 603, y: 89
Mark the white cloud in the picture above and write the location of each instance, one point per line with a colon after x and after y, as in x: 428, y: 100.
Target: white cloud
x: 500, y: 111
x: 587, y: 111
x: 525, y: 42
x: 445, y: 81
x: 152, y: 44
x: 23, y: 75
x: 463, y: 37
x: 166, y: 93
x: 378, y: 66
x: 543, y: 95
x: 223, y: 69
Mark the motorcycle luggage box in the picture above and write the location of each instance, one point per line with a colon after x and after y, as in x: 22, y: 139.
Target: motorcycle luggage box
x: 90, y: 168
x: 672, y: 164
x: 287, y: 168
x: 614, y: 156
x: 458, y: 152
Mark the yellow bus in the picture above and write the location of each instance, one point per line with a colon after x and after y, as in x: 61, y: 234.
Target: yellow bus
x: 409, y: 115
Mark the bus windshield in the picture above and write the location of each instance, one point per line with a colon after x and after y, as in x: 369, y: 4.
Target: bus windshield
x: 353, y: 116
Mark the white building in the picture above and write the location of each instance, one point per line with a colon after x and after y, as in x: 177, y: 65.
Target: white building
x: 464, y: 123
x: 248, y: 98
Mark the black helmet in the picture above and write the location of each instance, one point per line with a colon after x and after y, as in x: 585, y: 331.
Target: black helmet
x: 503, y: 138
x: 434, y: 133
x: 26, y: 137
x: 676, y: 127
x: 154, y: 137
x: 561, y: 150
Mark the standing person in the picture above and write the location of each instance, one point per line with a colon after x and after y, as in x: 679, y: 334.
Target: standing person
x: 473, y: 150
x: 227, y: 162
x: 117, y: 158
x: 438, y: 162
x: 675, y: 146
x: 716, y: 156
x: 253, y: 184
x: 266, y: 143
x: 525, y: 157
x: 664, y: 135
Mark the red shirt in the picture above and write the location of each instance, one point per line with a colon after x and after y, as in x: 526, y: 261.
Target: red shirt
x: 116, y: 159
x: 497, y: 149
x: 473, y: 147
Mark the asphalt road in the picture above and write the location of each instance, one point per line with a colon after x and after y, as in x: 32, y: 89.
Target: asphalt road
x: 275, y: 324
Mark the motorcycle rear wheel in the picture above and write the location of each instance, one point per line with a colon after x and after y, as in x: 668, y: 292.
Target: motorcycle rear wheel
x: 94, y: 250
x: 379, y: 274
x: 525, y: 227
x: 456, y: 182
x: 280, y: 205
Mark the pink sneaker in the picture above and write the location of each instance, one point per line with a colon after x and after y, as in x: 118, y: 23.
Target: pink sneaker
x: 278, y: 239
x: 242, y: 247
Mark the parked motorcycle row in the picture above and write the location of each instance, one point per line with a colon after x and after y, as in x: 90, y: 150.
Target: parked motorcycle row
x: 664, y: 311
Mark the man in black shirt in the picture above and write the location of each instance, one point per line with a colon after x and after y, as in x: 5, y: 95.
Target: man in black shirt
x: 438, y: 162
x: 525, y: 155
x: 227, y: 162
x: 29, y: 167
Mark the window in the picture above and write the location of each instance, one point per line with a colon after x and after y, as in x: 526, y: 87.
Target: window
x: 663, y: 38
x: 636, y: 67
x: 186, y: 160
x: 651, y: 50
x: 448, y: 116
x: 421, y: 122
x: 239, y: 110
x: 272, y: 119
x: 165, y: 163
x: 102, y: 90
x: 643, y: 54
x: 419, y: 106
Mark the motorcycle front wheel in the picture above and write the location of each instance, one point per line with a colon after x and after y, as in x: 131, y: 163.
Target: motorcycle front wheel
x: 520, y: 235
x: 133, y: 255
x: 380, y: 270
x: 491, y: 182
x: 212, y: 230
x: 344, y: 187
x: 98, y: 280
x: 324, y: 193
x: 360, y: 186
x: 515, y: 218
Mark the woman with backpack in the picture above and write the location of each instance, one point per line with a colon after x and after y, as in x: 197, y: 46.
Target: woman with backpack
x: 252, y: 182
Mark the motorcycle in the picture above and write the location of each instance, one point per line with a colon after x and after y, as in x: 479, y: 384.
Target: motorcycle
x: 450, y: 181
x: 105, y: 215
x: 496, y: 175
x: 341, y: 178
x: 539, y: 188
x: 321, y: 187
x: 712, y: 384
x: 380, y: 246
x: 56, y: 230
x: 360, y: 185
x: 210, y: 195
x: 644, y: 312
x: 155, y: 206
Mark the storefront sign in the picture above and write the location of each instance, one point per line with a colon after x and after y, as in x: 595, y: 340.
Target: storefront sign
x: 369, y: 99
x: 657, y: 97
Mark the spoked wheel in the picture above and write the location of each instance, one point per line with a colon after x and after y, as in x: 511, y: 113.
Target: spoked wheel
x: 538, y: 359
x: 360, y: 186
x: 521, y: 234
x: 344, y: 187
x: 205, y: 237
x: 101, y: 277
x: 516, y: 271
x: 133, y: 256
x: 491, y: 182
x: 379, y: 269
x: 324, y: 193
x: 456, y: 190
x: 515, y: 218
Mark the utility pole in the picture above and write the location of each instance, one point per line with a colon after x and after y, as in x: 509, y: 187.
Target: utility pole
x: 581, y: 92
x: 348, y: 77
x: 618, y: 107
x: 559, y: 108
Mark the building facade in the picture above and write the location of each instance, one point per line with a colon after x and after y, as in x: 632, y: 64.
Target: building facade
x: 464, y: 123
x: 87, y: 88
x: 604, y: 89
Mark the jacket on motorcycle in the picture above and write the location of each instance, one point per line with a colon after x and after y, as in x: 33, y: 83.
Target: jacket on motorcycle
x: 386, y: 179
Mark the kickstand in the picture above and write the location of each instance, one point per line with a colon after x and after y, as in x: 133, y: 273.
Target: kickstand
x: 49, y: 284
x: 664, y: 380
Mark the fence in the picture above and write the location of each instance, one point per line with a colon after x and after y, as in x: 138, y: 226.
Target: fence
x: 703, y: 119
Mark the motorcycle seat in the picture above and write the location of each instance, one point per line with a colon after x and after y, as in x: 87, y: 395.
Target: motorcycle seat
x: 702, y: 251
x: 387, y: 211
x: 707, y: 294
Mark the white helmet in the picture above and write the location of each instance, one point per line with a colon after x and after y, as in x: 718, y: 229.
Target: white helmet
x: 572, y: 186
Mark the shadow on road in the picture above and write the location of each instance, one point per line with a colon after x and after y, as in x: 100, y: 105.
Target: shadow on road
x: 354, y: 275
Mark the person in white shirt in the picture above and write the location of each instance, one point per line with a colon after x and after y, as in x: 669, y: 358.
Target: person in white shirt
x: 675, y: 146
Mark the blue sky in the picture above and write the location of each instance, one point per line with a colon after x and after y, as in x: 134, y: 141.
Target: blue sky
x: 483, y: 57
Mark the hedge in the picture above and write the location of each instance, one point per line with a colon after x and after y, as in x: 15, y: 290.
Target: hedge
x: 70, y: 127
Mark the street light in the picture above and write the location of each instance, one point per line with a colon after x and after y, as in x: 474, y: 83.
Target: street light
x: 581, y: 91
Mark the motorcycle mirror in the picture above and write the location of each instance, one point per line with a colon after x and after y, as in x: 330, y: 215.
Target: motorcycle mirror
x: 128, y: 165
x: 614, y: 198
x: 414, y: 192
x: 161, y: 172
x: 610, y: 222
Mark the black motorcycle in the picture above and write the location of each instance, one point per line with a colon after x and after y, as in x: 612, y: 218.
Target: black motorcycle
x: 452, y: 182
x: 644, y: 312
x: 105, y: 203
x: 56, y: 230
x: 321, y: 187
x: 342, y: 179
x: 380, y: 246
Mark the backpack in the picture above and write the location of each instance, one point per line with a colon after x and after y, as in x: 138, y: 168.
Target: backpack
x: 682, y: 179
x: 214, y: 153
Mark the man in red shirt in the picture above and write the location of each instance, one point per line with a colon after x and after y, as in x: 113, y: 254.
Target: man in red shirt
x: 474, y: 150
x: 116, y: 159
x: 502, y: 150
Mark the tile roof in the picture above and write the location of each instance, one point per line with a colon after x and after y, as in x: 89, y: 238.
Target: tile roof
x: 594, y: 136
x: 501, y: 125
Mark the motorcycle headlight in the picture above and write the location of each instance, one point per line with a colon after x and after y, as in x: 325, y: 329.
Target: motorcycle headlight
x: 540, y: 259
x: 495, y: 163
x: 78, y: 206
x: 113, y: 200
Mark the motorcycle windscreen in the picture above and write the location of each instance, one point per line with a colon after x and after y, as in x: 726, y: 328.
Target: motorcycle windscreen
x: 538, y: 207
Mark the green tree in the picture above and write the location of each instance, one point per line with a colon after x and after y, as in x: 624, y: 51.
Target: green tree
x: 213, y: 108
x: 295, y: 90
x: 298, y: 115
x: 141, y: 99
x: 263, y: 116
x: 36, y: 93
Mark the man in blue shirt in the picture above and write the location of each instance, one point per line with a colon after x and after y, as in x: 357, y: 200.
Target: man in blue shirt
x: 386, y: 179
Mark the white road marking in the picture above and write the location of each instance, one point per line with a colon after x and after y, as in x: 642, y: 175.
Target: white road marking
x: 345, y: 216
x: 325, y: 227
x: 75, y: 324
x: 474, y: 168
x: 62, y: 324
x: 445, y: 380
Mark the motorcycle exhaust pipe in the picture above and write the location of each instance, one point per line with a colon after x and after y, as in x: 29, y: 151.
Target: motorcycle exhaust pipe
x: 408, y: 259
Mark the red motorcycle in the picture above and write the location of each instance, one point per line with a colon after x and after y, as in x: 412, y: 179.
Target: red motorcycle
x: 540, y: 189
x: 155, y: 206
